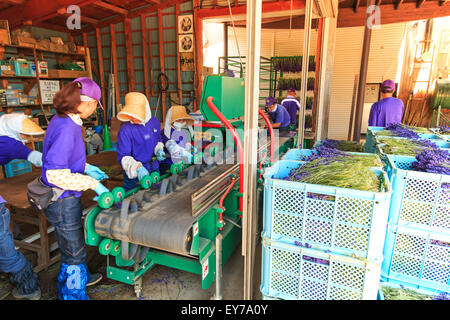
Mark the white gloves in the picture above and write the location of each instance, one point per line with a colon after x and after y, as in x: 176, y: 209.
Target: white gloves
x: 35, y: 157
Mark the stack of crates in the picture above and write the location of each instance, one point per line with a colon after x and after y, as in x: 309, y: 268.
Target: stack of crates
x: 417, y: 246
x: 321, y: 242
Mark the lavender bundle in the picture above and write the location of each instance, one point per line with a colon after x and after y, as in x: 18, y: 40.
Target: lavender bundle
x: 331, y: 167
x: 445, y: 130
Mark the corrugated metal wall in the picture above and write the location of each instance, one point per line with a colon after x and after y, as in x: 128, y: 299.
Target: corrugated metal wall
x: 169, y: 25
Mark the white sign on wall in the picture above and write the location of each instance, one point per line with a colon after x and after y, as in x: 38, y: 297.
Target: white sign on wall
x: 48, y: 90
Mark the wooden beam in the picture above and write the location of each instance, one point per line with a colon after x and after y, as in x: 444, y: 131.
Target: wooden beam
x: 145, y: 55
x: 63, y: 12
x: 101, y: 71
x: 428, y: 10
x: 134, y: 13
x: 378, y: 2
x: 316, y: 78
x: 153, y: 1
x: 397, y: 4
x: 356, y: 5
x: 129, y: 51
x: 14, y: 2
x: 110, y: 7
x: 362, y: 79
x: 266, y: 7
x: 114, y: 63
x: 179, y: 84
x: 419, y: 3
x: 34, y: 10
x: 161, y: 61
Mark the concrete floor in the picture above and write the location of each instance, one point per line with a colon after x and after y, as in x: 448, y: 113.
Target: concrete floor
x: 159, y: 283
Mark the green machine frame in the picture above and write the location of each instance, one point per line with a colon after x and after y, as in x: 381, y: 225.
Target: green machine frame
x: 206, y: 227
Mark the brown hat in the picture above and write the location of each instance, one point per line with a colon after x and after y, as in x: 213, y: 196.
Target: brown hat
x: 179, y: 113
x: 135, y: 103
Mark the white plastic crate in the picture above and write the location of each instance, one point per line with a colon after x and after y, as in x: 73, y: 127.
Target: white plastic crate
x: 344, y: 221
x: 417, y: 258
x: 419, y: 199
x: 290, y: 272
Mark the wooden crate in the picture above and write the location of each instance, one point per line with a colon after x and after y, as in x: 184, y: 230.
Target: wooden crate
x: 67, y: 74
x: 5, y: 37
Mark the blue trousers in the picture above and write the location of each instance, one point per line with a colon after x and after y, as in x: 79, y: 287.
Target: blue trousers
x: 13, y: 262
x: 10, y: 259
x: 65, y: 215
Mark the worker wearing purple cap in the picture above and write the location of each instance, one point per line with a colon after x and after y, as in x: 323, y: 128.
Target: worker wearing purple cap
x: 389, y: 109
x: 278, y: 114
x: 65, y: 169
x: 292, y: 106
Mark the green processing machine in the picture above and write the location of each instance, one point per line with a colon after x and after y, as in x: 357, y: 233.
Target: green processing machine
x: 175, y: 219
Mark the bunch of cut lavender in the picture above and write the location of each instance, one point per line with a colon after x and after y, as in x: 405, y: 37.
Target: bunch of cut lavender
x: 444, y: 130
x: 342, y: 145
x: 402, y: 130
x: 433, y: 160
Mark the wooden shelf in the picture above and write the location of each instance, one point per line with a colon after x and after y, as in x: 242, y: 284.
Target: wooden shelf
x: 42, y: 50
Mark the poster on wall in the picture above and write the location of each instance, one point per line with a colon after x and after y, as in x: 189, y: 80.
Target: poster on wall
x: 48, y: 89
x: 187, y: 61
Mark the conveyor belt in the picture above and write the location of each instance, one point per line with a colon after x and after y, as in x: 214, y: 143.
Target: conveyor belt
x: 164, y: 224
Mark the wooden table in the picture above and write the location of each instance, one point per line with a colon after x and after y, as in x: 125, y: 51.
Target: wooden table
x: 14, y: 191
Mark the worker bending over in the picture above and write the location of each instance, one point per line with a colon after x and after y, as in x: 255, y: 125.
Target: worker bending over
x: 14, y: 129
x: 177, y: 136
x: 278, y: 114
x: 292, y: 106
x: 389, y: 109
x: 65, y: 170
x: 139, y: 146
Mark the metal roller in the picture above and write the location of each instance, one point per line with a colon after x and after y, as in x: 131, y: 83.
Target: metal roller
x: 165, y: 223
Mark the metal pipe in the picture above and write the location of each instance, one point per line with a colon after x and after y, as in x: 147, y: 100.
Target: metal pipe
x: 237, y: 140
x: 272, y: 138
x: 305, y: 64
x: 218, y: 267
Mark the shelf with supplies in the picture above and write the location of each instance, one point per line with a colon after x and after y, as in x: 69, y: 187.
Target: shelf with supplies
x: 25, y: 73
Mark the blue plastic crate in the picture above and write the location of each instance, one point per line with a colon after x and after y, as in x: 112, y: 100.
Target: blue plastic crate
x: 369, y: 145
x: 418, y: 258
x: 16, y: 167
x: 379, y: 146
x: 291, y: 272
x: 445, y: 137
x: 419, y: 199
x: 344, y: 221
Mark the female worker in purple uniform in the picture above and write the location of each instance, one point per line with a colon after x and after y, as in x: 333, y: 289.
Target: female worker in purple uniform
x: 66, y: 171
x: 139, y: 146
x: 14, y: 129
x: 389, y: 109
x: 177, y: 137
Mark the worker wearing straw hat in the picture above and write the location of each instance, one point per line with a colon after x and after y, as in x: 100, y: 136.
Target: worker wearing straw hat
x: 177, y: 136
x: 139, y: 146
x: 14, y: 130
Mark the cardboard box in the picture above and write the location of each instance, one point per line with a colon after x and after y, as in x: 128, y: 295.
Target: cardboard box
x: 69, y: 74
x: 43, y: 69
x: 4, y: 37
x: 43, y: 44
x: 24, y: 41
x: 207, y: 71
x: 56, y: 47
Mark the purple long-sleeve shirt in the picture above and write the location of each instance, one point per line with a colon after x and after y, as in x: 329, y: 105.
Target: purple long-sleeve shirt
x: 386, y: 111
x: 63, y: 149
x: 292, y: 106
x: 11, y: 149
x: 139, y: 142
x: 2, y: 200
